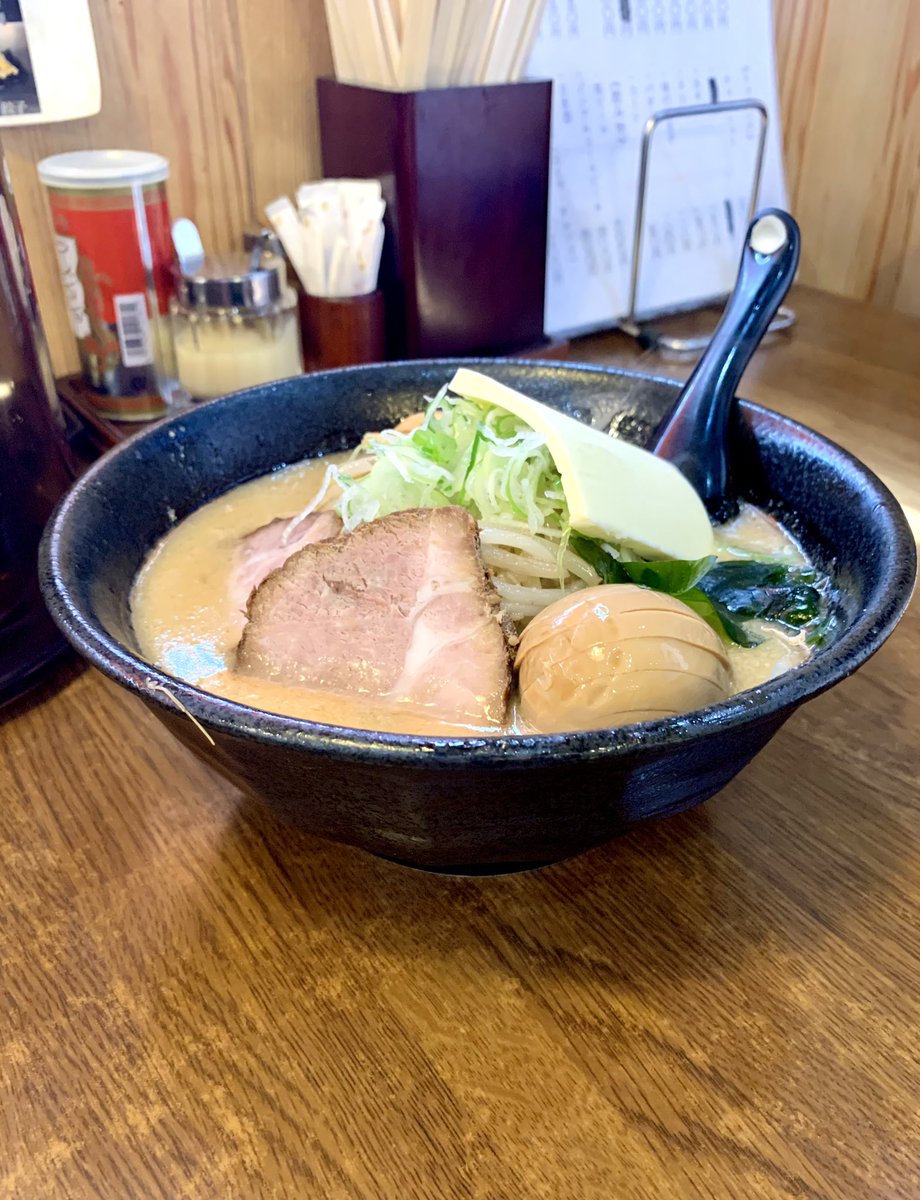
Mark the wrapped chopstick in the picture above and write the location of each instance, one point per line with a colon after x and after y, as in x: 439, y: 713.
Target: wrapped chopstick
x: 333, y: 237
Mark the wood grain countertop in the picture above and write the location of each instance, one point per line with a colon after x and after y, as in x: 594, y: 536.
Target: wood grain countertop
x: 198, y: 1002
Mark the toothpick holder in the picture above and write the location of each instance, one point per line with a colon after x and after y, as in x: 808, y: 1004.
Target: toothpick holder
x: 341, y: 332
x: 465, y: 174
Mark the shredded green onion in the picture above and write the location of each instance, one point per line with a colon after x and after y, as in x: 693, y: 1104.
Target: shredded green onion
x: 467, y: 453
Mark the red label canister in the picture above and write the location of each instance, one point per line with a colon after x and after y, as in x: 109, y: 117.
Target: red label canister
x: 112, y: 233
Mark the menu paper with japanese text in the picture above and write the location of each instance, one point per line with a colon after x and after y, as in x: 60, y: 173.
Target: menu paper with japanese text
x: 613, y: 64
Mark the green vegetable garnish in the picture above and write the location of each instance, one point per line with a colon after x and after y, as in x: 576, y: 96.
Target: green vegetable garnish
x: 770, y: 591
x: 466, y: 453
x: 724, y: 594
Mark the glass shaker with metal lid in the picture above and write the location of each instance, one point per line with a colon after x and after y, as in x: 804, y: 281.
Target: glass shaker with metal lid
x: 234, y: 323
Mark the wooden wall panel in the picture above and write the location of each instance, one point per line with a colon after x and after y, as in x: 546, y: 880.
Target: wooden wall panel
x: 225, y: 89
x: 799, y: 27
x: 286, y: 47
x: 850, y: 81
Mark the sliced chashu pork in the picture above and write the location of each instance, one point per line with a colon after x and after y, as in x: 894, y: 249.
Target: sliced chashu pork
x: 270, y: 546
x: 402, y: 608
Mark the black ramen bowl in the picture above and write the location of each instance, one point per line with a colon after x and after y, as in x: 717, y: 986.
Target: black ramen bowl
x: 464, y: 804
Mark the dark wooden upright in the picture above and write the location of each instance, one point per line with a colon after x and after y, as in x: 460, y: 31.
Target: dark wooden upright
x: 465, y: 175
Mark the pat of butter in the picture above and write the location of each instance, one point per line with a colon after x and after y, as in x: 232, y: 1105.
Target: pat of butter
x: 615, y: 491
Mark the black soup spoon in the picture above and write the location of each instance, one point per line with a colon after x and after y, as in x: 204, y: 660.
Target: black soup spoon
x: 694, y: 436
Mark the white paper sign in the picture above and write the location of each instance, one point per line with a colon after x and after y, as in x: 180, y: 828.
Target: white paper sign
x: 613, y: 64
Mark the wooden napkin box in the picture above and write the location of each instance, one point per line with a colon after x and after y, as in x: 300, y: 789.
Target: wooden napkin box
x: 465, y: 174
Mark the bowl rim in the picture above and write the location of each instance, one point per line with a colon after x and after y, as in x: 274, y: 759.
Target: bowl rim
x: 771, y: 700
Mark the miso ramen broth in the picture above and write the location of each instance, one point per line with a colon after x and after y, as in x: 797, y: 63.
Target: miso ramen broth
x: 188, y: 623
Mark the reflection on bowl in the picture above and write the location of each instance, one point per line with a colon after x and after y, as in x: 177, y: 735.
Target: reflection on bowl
x: 472, y: 804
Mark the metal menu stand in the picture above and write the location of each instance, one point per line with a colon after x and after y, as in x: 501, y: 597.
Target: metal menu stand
x: 647, y: 335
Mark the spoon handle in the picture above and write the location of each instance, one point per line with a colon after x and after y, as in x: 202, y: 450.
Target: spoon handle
x: 695, y: 435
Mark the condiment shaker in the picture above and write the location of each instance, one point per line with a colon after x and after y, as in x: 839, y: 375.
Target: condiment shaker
x: 234, y: 324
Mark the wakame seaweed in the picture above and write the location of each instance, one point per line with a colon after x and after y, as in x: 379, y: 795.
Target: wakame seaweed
x: 724, y: 594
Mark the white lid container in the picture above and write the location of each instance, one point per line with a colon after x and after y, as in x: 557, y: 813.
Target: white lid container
x: 102, y: 170
x: 49, y: 70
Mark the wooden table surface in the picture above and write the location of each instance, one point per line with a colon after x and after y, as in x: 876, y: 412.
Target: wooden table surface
x: 198, y: 1002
